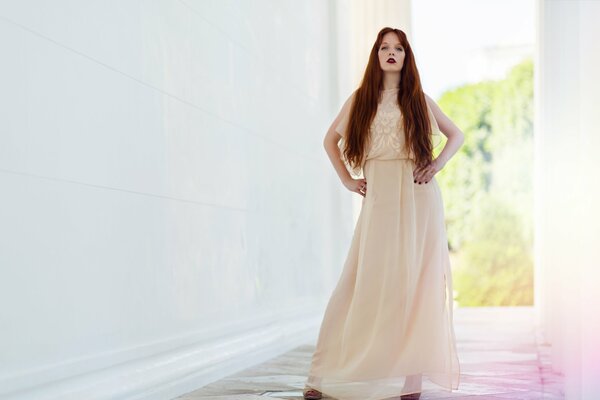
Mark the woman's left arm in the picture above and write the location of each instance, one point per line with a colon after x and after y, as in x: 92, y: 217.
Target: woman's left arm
x: 455, y: 139
x: 455, y: 136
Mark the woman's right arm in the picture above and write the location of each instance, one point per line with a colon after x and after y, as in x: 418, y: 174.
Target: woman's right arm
x: 330, y: 143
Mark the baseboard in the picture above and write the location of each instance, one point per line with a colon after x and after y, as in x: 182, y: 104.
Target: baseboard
x: 169, y: 373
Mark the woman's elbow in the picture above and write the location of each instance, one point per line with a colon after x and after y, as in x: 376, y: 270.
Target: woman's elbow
x: 460, y: 136
x: 330, y: 141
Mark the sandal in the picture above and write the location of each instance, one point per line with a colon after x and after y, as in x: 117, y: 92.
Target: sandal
x: 411, y: 396
x: 311, y: 394
x: 412, y: 384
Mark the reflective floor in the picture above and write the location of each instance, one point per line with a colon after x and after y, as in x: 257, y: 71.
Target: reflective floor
x: 500, y: 352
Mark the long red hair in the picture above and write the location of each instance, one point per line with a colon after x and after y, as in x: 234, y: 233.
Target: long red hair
x: 413, y: 106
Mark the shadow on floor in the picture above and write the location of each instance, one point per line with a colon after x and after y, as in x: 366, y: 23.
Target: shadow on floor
x: 499, y: 348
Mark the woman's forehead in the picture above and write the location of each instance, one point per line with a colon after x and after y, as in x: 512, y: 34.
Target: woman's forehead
x: 396, y: 42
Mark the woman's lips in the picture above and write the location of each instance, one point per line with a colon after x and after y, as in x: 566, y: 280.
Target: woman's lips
x: 391, y: 61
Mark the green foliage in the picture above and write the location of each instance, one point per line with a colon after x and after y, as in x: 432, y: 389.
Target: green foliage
x: 487, y: 189
x: 495, y: 267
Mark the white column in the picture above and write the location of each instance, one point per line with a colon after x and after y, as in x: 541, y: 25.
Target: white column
x: 566, y: 188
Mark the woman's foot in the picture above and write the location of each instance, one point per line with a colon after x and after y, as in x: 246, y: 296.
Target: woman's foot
x: 311, y: 394
x: 412, y: 384
x: 411, y: 396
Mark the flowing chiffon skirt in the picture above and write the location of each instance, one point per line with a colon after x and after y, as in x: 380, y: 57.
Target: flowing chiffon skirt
x: 388, y: 328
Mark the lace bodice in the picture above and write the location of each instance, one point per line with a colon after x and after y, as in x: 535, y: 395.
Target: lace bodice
x: 386, y: 133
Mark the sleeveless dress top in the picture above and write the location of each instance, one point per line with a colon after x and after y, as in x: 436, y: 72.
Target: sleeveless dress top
x: 386, y: 132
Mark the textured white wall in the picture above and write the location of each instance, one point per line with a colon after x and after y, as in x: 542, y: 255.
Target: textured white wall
x: 169, y: 214
x: 567, y: 194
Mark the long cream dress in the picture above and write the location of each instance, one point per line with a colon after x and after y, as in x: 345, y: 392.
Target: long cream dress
x: 388, y: 328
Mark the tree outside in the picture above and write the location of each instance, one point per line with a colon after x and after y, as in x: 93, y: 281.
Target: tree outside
x: 488, y: 190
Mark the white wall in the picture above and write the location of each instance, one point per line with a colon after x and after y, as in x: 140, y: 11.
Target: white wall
x: 169, y: 215
x: 567, y: 193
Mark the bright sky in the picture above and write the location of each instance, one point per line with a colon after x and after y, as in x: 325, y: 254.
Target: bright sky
x: 453, y: 38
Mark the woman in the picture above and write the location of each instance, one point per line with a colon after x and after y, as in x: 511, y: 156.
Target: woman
x: 387, y: 329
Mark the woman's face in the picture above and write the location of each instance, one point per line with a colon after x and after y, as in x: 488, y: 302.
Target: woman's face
x: 389, y: 49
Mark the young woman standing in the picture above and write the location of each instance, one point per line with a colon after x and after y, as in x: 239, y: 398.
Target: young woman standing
x: 388, y: 328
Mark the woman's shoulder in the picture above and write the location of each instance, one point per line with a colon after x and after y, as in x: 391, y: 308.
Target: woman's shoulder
x: 349, y: 100
x: 351, y: 96
x: 428, y: 99
x: 433, y: 106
